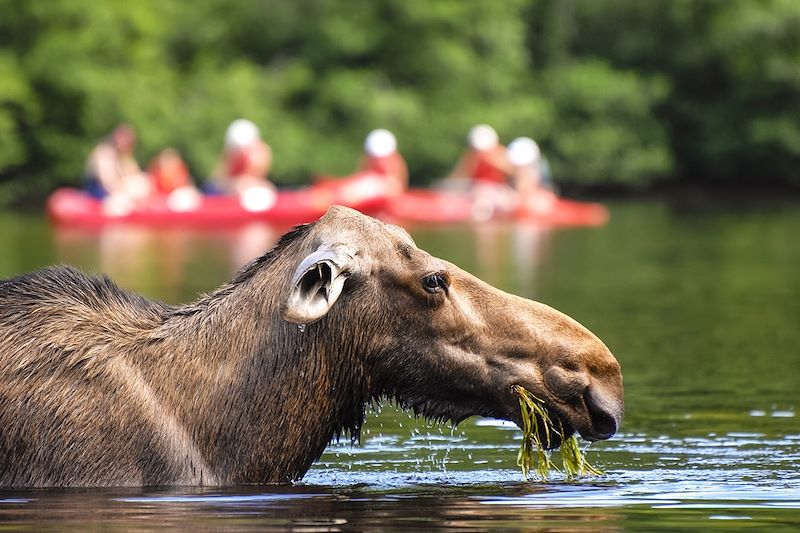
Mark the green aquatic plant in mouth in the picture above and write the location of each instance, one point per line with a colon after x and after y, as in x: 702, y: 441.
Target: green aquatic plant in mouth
x: 532, y: 451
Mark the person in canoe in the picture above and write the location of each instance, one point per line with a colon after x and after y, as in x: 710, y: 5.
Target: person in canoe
x: 529, y: 167
x: 381, y: 156
x: 486, y: 168
x: 113, y: 174
x: 531, y: 176
x: 244, y: 166
x: 172, y: 182
x: 381, y: 173
x: 485, y: 160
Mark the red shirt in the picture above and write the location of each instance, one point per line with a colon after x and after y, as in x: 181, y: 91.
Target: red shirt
x: 390, y: 165
x: 249, y: 160
x: 484, y: 170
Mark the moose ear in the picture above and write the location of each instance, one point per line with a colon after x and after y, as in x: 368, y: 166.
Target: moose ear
x: 317, y: 283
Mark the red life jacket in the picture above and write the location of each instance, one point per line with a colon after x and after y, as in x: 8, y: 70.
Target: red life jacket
x: 390, y: 165
x: 484, y: 170
x: 248, y: 160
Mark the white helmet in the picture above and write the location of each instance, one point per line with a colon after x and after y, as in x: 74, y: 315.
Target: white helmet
x: 483, y: 137
x: 380, y: 143
x: 523, y: 151
x: 241, y: 133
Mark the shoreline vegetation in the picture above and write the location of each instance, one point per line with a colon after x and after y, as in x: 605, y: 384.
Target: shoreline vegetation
x: 625, y: 98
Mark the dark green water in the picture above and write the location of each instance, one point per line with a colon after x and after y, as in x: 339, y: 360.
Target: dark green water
x: 700, y: 304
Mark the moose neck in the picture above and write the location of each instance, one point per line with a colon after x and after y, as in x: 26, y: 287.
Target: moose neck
x: 271, y: 394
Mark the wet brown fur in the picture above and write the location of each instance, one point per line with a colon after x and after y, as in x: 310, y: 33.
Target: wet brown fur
x: 100, y: 387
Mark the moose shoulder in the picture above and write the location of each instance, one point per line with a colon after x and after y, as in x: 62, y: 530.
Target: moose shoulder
x: 248, y: 384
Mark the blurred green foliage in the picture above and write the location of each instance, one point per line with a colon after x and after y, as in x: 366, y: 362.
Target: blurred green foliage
x: 619, y: 93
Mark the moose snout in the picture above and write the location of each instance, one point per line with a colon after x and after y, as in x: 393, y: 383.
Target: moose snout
x: 605, y: 415
x: 594, y: 403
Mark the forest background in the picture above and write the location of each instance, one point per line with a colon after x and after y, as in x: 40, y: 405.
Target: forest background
x: 622, y: 95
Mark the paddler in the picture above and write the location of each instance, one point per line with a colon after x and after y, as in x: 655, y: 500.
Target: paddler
x: 381, y: 156
x: 485, y: 161
x: 485, y: 164
x: 112, y: 169
x: 245, y: 164
x: 531, y: 175
x: 113, y: 174
x: 172, y: 182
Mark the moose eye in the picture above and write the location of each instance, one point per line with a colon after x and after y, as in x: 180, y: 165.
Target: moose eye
x: 435, y: 283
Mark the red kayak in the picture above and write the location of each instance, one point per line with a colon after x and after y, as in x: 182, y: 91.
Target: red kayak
x: 429, y: 206
x: 365, y: 191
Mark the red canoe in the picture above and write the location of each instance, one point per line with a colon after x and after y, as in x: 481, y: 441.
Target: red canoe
x: 365, y: 191
x: 427, y: 206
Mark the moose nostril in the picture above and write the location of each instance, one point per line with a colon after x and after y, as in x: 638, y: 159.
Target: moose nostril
x: 604, y: 419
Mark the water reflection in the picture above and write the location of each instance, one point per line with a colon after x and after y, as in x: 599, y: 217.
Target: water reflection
x: 294, y: 509
x: 510, y: 251
x: 172, y: 263
x: 480, y: 506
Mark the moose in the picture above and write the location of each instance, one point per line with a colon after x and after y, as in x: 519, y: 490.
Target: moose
x: 249, y: 383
